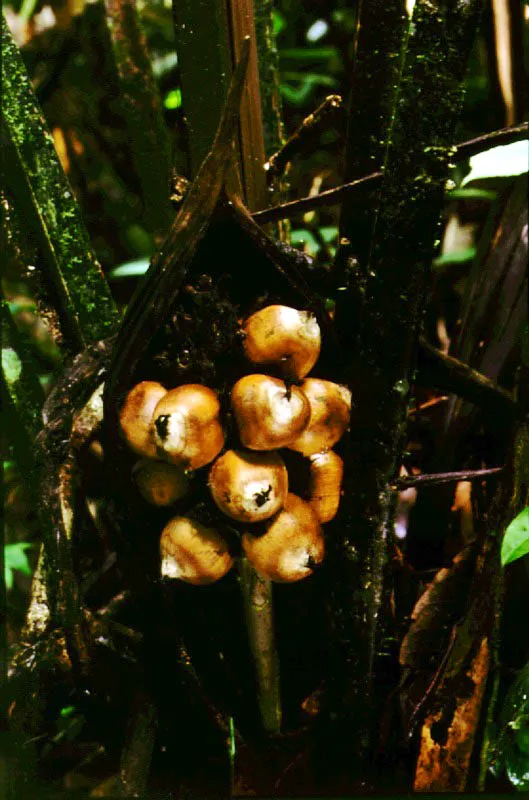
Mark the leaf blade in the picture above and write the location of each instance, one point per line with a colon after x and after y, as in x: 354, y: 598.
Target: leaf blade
x: 515, y: 543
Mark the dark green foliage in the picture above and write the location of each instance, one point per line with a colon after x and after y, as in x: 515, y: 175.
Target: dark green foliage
x: 161, y: 677
x: 141, y: 107
x: 33, y: 169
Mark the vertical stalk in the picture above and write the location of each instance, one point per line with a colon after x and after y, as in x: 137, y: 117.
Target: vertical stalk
x: 36, y: 179
x: 388, y: 303
x: 205, y: 75
x: 257, y: 592
x: 3, y: 615
x: 379, y: 50
x: 205, y: 59
x: 142, y: 110
x: 257, y: 595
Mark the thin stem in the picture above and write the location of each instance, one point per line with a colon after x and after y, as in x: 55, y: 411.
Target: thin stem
x: 335, y: 196
x: 451, y: 375
x: 445, y: 477
x: 331, y: 197
x: 502, y: 136
x: 257, y: 594
x: 304, y: 135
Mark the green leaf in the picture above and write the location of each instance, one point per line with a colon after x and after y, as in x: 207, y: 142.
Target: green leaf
x: 458, y: 257
x: 20, y: 392
x: 141, y: 108
x: 16, y: 559
x: 308, y: 54
x: 517, y: 768
x: 511, y: 742
x: 516, y: 540
x: 329, y: 233
x: 132, y: 269
x: 173, y: 99
x: 278, y: 21
x: 510, y: 159
x: 522, y: 740
x: 33, y: 172
x: 303, y: 238
x: 472, y: 193
x: 233, y: 747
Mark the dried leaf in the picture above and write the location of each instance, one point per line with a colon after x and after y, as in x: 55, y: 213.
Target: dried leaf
x: 436, y: 611
x: 446, y: 745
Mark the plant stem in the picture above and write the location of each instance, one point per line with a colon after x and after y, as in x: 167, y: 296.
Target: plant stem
x: 137, y: 752
x: 445, y: 477
x: 4, y: 700
x: 337, y: 195
x: 36, y: 177
x: 257, y: 595
x: 449, y: 374
x: 380, y: 43
x: 379, y: 319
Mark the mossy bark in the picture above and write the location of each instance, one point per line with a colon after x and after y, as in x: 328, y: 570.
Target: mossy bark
x: 142, y: 109
x: 379, y: 319
x: 86, y: 307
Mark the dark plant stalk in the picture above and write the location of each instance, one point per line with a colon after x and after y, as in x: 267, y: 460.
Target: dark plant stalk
x: 445, y: 477
x: 449, y: 374
x: 379, y: 321
x: 142, y: 110
x: 380, y: 45
x: 303, y: 136
x: 137, y: 753
x: 4, y: 654
x: 257, y: 594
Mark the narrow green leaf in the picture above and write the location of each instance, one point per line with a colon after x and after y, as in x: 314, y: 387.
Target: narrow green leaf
x: 516, y: 540
x: 142, y: 110
x: 35, y: 175
x: 232, y: 741
x: 21, y: 392
x: 308, y: 54
x: 16, y: 559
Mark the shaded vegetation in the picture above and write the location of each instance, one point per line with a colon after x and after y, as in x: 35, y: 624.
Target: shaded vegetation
x: 400, y: 664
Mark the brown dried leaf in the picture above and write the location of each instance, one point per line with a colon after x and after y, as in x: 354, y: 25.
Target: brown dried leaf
x: 436, y: 611
x: 446, y: 749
